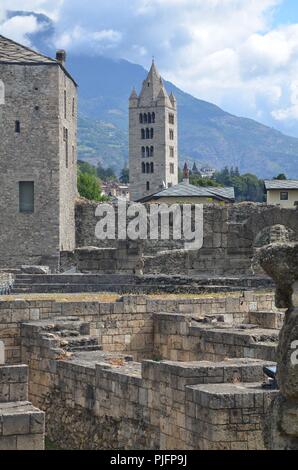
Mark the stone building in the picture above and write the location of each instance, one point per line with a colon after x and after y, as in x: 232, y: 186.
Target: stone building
x: 38, y: 126
x: 153, y: 138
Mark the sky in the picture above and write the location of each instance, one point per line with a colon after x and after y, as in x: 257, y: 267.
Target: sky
x: 239, y: 54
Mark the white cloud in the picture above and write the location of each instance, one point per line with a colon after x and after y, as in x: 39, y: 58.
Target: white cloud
x: 18, y: 28
x: 81, y: 39
x: 224, y: 51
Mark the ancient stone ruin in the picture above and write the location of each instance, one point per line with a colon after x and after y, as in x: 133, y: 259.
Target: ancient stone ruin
x: 280, y: 261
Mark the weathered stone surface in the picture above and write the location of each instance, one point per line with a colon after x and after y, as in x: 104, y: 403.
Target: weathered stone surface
x: 2, y: 353
x: 35, y: 269
x: 280, y: 261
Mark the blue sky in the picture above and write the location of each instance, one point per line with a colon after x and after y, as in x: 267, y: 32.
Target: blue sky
x: 287, y: 12
x: 239, y: 54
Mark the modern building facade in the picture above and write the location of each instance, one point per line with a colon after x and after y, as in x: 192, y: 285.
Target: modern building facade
x: 153, y: 138
x: 282, y: 192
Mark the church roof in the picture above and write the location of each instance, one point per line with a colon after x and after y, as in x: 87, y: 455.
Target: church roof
x: 190, y: 190
x: 12, y: 52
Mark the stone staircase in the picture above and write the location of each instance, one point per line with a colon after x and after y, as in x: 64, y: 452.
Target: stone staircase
x: 73, y: 335
x: 122, y: 284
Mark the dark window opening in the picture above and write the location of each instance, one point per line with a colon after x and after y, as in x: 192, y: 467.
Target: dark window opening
x: 148, y: 186
x: 141, y: 118
x: 143, y: 152
x: 151, y: 151
x: 26, y: 197
x: 153, y: 118
x: 152, y: 133
x: 17, y: 127
x: 284, y: 196
x: 152, y: 167
x: 65, y: 138
x: 65, y: 104
x: 143, y: 168
x: 143, y: 133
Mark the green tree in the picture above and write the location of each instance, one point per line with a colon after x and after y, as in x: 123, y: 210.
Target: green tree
x: 85, y: 167
x: 124, y: 176
x: 89, y: 187
x: 105, y: 174
x: 281, y: 176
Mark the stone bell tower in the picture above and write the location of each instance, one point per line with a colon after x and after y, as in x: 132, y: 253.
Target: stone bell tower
x: 153, y: 138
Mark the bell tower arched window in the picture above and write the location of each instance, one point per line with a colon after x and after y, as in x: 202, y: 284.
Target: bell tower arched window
x: 147, y: 152
x: 143, y: 133
x: 152, y: 133
x: 143, y: 152
x: 141, y: 118
x: 147, y: 134
x: 153, y: 118
x: 151, y: 151
x: 145, y: 118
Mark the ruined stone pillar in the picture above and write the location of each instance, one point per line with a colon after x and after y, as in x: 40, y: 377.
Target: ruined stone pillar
x: 280, y: 261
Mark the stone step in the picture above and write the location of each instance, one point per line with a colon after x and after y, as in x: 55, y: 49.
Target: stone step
x: 79, y: 343
x: 124, y: 288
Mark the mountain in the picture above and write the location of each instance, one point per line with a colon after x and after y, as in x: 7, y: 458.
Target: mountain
x: 207, y: 134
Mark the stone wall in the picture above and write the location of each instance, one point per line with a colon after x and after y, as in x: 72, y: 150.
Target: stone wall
x: 231, y: 234
x: 109, y: 402
x: 125, y: 325
x: 22, y: 425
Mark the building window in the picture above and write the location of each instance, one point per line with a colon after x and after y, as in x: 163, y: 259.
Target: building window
x: 171, y: 119
x: 143, y: 134
x: 147, y: 152
x: 147, y: 167
x: 171, y: 151
x: 151, y: 151
x: 152, y: 133
x: 284, y: 196
x: 65, y: 138
x: 2, y: 92
x: 17, y: 127
x: 172, y: 168
x: 149, y: 118
x: 171, y: 134
x: 153, y: 118
x: 151, y: 167
x: 73, y: 107
x: 147, y: 133
x: 145, y: 118
x: 65, y: 104
x: 141, y: 118
x: 26, y: 197
x: 148, y: 186
x: 143, y: 168
x: 143, y: 152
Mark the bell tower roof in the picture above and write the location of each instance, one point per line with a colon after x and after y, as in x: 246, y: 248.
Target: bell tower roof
x: 152, y: 87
